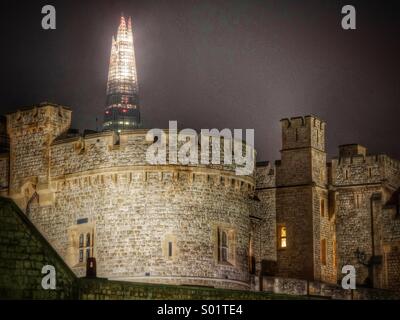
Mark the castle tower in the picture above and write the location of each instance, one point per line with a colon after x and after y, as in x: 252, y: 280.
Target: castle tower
x: 304, y: 227
x: 122, y: 104
x: 31, y: 132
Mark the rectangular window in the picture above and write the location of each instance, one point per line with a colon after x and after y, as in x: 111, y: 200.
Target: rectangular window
x: 226, y: 245
x: 282, y: 237
x: 82, y: 220
x: 323, y: 252
x: 322, y: 207
x: 357, y: 200
x: 85, y: 246
x: 170, y: 249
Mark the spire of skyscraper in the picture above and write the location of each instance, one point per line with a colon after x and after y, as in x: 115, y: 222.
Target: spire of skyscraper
x: 122, y: 105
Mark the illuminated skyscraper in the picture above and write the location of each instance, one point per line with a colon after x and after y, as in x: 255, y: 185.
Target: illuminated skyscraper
x: 122, y: 104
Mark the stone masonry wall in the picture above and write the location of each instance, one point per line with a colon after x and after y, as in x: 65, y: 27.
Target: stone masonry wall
x: 324, y: 230
x: 23, y: 253
x: 361, y: 169
x: 31, y: 133
x: 134, y: 212
x: 353, y: 227
x: 265, y: 210
x: 133, y: 209
x: 4, y: 172
x: 293, y: 210
x: 107, y: 150
x: 100, y: 289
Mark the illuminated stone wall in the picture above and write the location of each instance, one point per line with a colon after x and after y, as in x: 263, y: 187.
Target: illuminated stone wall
x: 131, y: 208
x: 101, y: 184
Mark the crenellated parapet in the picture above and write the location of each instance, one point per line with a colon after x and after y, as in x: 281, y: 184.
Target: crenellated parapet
x: 361, y: 169
x: 302, y: 132
x: 41, y: 155
x: 265, y: 175
x: 47, y: 117
x: 108, y: 151
x: 31, y: 132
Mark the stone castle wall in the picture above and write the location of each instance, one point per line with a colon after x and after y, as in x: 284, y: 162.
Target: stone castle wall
x: 265, y: 211
x: 24, y: 252
x: 134, y: 216
x: 133, y: 209
x: 363, y: 186
x: 31, y: 132
x: 160, y: 223
x: 4, y: 173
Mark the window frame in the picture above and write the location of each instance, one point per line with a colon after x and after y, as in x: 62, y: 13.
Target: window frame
x: 282, y: 237
x: 225, y: 250
x: 324, y: 251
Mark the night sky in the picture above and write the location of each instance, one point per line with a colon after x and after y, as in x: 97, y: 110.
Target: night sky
x: 206, y: 64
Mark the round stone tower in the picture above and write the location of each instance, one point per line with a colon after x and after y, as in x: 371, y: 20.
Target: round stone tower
x: 174, y: 224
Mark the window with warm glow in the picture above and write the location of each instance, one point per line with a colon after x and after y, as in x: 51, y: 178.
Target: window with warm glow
x: 282, y: 237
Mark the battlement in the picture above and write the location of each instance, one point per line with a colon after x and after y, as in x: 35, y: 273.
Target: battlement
x: 265, y: 175
x: 108, y: 149
x: 45, y: 117
x: 303, y: 132
x: 359, y: 159
x: 306, y: 121
x: 348, y: 150
x: 359, y: 168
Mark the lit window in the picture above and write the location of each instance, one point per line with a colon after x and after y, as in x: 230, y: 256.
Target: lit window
x: 127, y: 123
x: 282, y: 237
x: 121, y: 122
x: 334, y: 253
